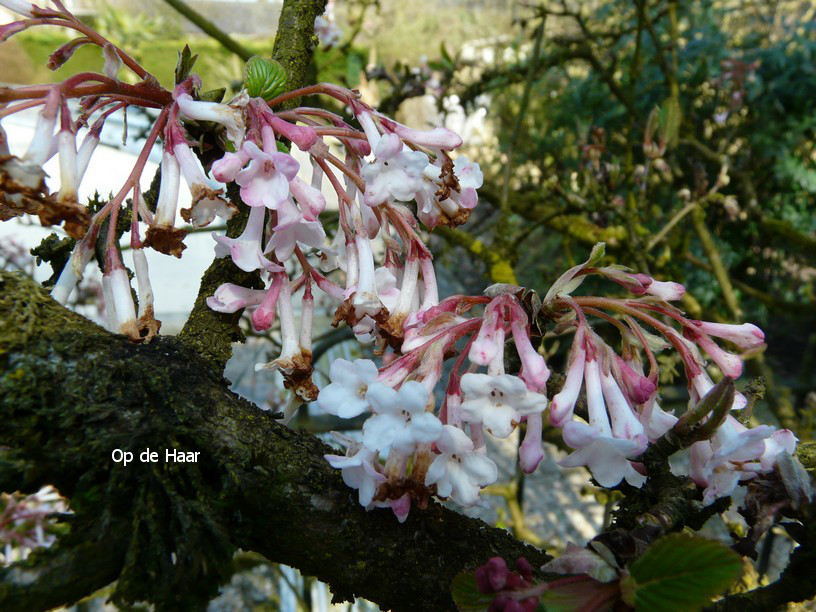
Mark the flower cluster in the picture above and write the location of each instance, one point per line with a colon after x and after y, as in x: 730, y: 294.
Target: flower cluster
x: 389, y: 181
x: 24, y: 522
x: 620, y: 417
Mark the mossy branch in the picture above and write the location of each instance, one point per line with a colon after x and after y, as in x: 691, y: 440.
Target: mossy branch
x: 72, y: 393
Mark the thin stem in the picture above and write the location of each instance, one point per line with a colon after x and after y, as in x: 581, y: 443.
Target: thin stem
x: 717, y: 265
x: 210, y: 29
x: 659, y: 236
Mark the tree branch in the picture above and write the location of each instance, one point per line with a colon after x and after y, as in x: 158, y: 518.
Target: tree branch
x: 210, y: 29
x: 72, y: 393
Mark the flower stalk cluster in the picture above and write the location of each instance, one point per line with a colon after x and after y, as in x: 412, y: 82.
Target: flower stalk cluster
x: 390, y: 181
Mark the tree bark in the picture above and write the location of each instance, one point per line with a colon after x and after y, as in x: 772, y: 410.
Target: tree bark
x: 72, y: 393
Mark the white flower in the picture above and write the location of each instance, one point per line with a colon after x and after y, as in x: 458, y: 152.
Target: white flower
x: 387, y: 287
x: 119, y: 308
x: 345, y: 396
x: 21, y: 7
x: 327, y: 32
x: 657, y: 421
x: 168, y: 190
x: 563, y: 403
x: 207, y: 194
x: 459, y: 472
x: 498, y: 402
x: 468, y: 173
x: 700, y: 384
x: 394, y: 174
x: 358, y: 468
x: 605, y: 456
x: 72, y: 272
x: 605, y: 448
x: 401, y: 421
x: 736, y: 453
x: 666, y: 290
x: 782, y: 441
x: 229, y: 115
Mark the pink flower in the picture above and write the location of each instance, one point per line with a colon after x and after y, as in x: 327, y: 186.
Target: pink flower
x: 310, y: 199
x: 530, y: 452
x: 489, y: 342
x: 228, y: 167
x: 265, y: 182
x: 245, y: 250
x: 232, y: 298
x: 534, y: 370
x: 264, y: 315
x: 729, y: 364
x: 746, y: 336
x: 639, y: 389
x: 563, y: 403
x: 303, y: 136
x: 437, y: 138
x: 293, y: 228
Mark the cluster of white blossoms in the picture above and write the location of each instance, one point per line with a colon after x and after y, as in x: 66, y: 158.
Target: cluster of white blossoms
x: 389, y: 180
x: 443, y: 451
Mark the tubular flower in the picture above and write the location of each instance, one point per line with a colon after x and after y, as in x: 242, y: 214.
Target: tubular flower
x: 458, y: 472
x: 498, y: 402
x: 400, y: 421
x: 345, y: 396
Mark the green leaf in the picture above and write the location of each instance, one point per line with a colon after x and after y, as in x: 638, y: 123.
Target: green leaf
x: 186, y: 61
x: 264, y: 78
x: 466, y: 594
x: 680, y: 572
x: 570, y: 280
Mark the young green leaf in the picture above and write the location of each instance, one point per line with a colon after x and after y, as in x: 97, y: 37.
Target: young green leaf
x: 467, y: 596
x: 186, y: 61
x: 680, y: 572
x: 264, y: 78
x: 572, y: 279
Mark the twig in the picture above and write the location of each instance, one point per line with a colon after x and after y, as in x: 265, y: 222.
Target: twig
x: 210, y: 29
x: 659, y: 236
x: 717, y: 266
